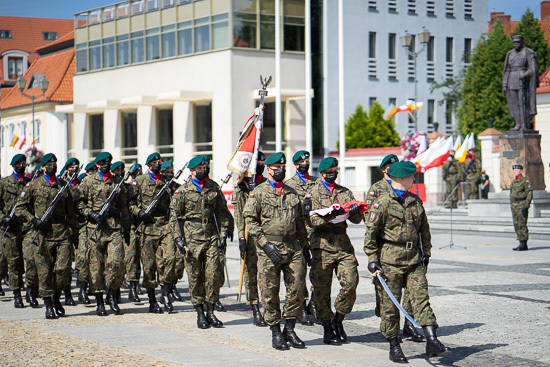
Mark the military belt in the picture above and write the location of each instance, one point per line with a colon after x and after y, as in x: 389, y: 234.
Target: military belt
x: 199, y: 220
x: 518, y: 68
x: 333, y: 230
x: 270, y: 237
x: 408, y: 245
x: 519, y: 199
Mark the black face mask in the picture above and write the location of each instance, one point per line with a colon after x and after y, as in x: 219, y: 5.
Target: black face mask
x: 200, y: 175
x: 70, y: 173
x: 155, y: 168
x: 50, y: 171
x: 303, y: 168
x: 330, y: 177
x: 260, y: 169
x: 169, y: 176
x: 19, y: 170
x: 279, y: 174
x: 451, y: 156
x: 119, y: 174
x: 104, y: 168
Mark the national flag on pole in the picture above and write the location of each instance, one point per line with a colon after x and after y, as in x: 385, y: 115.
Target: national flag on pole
x: 457, y: 143
x: 35, y: 140
x: 462, y: 152
x: 414, y: 106
x: 436, y: 155
x: 23, y: 142
x: 14, y: 140
x: 391, y: 110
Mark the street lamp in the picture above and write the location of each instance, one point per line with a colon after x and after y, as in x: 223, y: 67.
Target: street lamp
x: 21, y: 83
x: 407, y: 42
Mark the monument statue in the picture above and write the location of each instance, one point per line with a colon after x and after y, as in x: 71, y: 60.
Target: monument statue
x: 519, y: 83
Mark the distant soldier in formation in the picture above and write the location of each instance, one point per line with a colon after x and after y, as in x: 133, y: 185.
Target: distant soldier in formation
x: 472, y: 174
x: 451, y: 175
x: 521, y: 195
x: 132, y: 253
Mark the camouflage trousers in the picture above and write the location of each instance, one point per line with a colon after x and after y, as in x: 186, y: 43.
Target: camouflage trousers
x: 251, y: 272
x: 405, y: 302
x: 451, y: 184
x: 203, y: 270
x: 520, y: 224
x: 269, y: 279
x: 106, y: 260
x: 158, y: 255
x: 323, y: 265
x: 3, y: 261
x: 473, y: 190
x: 13, y: 247
x: 81, y: 260
x: 53, y: 264
x: 132, y: 257
x: 31, y: 274
x: 179, y: 266
x: 414, y: 280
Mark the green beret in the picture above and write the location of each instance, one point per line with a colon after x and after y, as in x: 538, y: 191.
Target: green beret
x: 81, y: 176
x: 118, y: 164
x: 135, y: 167
x: 300, y: 155
x: 166, y: 165
x: 327, y: 163
x: 196, y: 161
x: 402, y: 169
x: 103, y: 156
x: 37, y: 167
x: 17, y: 158
x: 50, y: 157
x: 206, y: 159
x: 90, y: 166
x: 261, y: 156
x: 152, y: 157
x: 517, y: 166
x: 390, y: 158
x: 278, y: 157
x: 70, y: 162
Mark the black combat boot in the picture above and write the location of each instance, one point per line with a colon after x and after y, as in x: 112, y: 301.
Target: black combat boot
x: 153, y: 305
x: 69, y: 301
x: 434, y: 347
x: 329, y: 337
x: 110, y: 298
x: 166, y: 290
x: 339, y: 327
x: 17, y: 300
x: 202, y: 323
x: 59, y: 310
x: 33, y: 293
x: 118, y: 296
x: 132, y: 294
x: 277, y: 339
x: 290, y: 336
x: 454, y: 204
x: 50, y: 314
x: 258, y: 318
x: 125, y: 283
x: 210, y: 317
x: 2, y: 293
x: 522, y: 246
x: 100, y: 310
x: 312, y: 308
x: 304, y: 316
x: 396, y: 353
x: 82, y: 294
x: 411, y: 332
x: 219, y: 307
x: 175, y: 294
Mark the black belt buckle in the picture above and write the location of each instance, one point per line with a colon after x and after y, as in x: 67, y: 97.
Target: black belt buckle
x: 409, y: 245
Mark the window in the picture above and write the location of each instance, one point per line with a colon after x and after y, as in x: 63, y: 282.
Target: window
x: 468, y: 13
x: 108, y: 14
x: 137, y: 7
x: 392, y: 37
x: 23, y: 129
x: 202, y: 35
x: 392, y: 101
x: 293, y: 28
x: 267, y: 141
x: 430, y: 8
x: 95, y: 55
x: 36, y: 130
x: 168, y: 3
x: 375, y: 175
x: 411, y: 6
x: 449, y: 50
x: 81, y: 57
x: 372, y: 100
x: 449, y: 8
x: 431, y: 114
x: 430, y: 51
x: 152, y: 5
x: 392, y: 6
x: 49, y: 36
x: 129, y: 137
x: 467, y: 50
x: 372, y: 7
x: 35, y: 81
x: 448, y: 117
x: 220, y: 30
x: 267, y: 24
x: 413, y: 46
x: 108, y: 52
x: 185, y: 38
x: 15, y: 67
x: 153, y: 44
x: 203, y: 129
x: 169, y: 41
x: 138, y: 47
x: 96, y: 135
x: 244, y: 30
x: 123, y: 50
x: 5, y: 34
x: 165, y: 133
x: 372, y: 44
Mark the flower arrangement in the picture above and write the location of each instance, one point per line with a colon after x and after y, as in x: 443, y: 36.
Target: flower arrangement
x: 34, y: 156
x: 410, y: 144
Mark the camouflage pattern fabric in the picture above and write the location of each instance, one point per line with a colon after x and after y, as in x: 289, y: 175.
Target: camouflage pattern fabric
x: 521, y: 195
x: 473, y: 175
x: 29, y: 249
x: 132, y: 253
x: 81, y: 259
x: 3, y: 261
x: 158, y: 251
x: 106, y: 260
x: 203, y: 271
x: 453, y: 169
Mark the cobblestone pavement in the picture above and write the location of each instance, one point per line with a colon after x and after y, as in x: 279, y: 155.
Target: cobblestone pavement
x: 492, y: 305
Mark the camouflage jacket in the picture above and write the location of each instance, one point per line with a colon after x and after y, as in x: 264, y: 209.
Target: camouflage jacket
x: 75, y: 194
x: 472, y: 169
x: 239, y: 198
x: 93, y: 194
x: 193, y: 206
x: 375, y: 191
x: 452, y: 170
x: 275, y: 218
x: 228, y: 215
x: 521, y: 193
x: 301, y: 188
x: 10, y: 191
x: 39, y: 194
x: 326, y: 235
x: 394, y: 228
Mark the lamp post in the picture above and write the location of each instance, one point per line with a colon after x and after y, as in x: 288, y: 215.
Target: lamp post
x: 407, y: 42
x: 21, y: 83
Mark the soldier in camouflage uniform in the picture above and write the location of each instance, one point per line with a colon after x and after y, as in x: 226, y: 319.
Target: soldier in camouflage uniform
x: 108, y: 238
x: 247, y: 245
x: 452, y: 170
x: 156, y: 233
x: 81, y: 262
x: 332, y: 251
x: 11, y: 188
x: 472, y: 174
x: 398, y: 245
x: 521, y: 195
x: 53, y: 255
x: 274, y: 217
x: 132, y: 257
x: 302, y: 182
x: 199, y: 203
x: 375, y: 191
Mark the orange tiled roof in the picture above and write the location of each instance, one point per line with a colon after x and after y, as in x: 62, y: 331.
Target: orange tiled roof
x: 58, y: 68
x: 509, y: 25
x: 368, y: 151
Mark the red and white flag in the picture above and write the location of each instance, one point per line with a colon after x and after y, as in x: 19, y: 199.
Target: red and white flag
x: 363, y: 207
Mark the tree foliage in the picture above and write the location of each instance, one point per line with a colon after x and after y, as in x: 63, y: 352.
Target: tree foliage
x: 533, y: 36
x: 369, y: 129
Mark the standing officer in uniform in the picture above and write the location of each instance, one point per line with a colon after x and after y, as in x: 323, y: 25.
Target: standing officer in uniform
x: 11, y: 188
x: 247, y: 245
x: 521, y: 194
x: 398, y: 244
x: 332, y: 252
x: 198, y: 204
x: 472, y: 174
x: 108, y: 239
x: 274, y: 217
x: 302, y: 183
x: 451, y: 176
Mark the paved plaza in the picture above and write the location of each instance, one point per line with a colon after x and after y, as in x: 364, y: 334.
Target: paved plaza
x: 492, y: 305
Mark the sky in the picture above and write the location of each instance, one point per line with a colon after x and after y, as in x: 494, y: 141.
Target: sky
x: 66, y: 8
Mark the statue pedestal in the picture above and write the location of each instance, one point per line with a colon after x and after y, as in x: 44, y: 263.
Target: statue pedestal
x: 521, y: 148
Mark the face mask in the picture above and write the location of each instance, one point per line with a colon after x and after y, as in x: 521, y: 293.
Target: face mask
x: 200, y: 175
x: 330, y: 177
x: 19, y: 170
x: 279, y: 174
x: 451, y: 156
x: 155, y: 168
x: 260, y: 169
x: 169, y: 176
x: 50, y: 171
x: 207, y: 171
x: 303, y: 168
x: 104, y: 168
x: 119, y: 174
x: 70, y: 173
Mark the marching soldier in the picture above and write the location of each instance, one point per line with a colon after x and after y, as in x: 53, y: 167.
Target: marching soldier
x: 119, y: 169
x: 132, y: 256
x: 451, y: 176
x: 247, y: 245
x: 398, y: 245
x: 11, y: 188
x: 108, y: 239
x: 53, y: 256
x: 332, y: 252
x: 302, y: 182
x: 90, y: 168
x: 472, y: 174
x: 199, y: 204
x: 81, y: 260
x: 137, y: 171
x: 274, y: 217
x: 521, y: 195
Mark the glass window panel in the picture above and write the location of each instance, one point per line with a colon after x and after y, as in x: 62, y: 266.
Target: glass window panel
x: 96, y: 134
x: 293, y: 38
x: 244, y: 34
x: 109, y: 55
x: 267, y: 7
x: 248, y: 6
x: 372, y: 44
x: 391, y: 46
x: 202, y: 38
x: 138, y: 54
x: 219, y: 17
x: 152, y: 31
x: 294, y: 8
x: 169, y: 44
x: 137, y: 34
x: 185, y: 24
x: 152, y: 5
x: 221, y: 35
x: 108, y: 40
x: 95, y: 58
x: 129, y: 134
x: 267, y: 35
x: 153, y: 47
x: 449, y: 50
x: 123, y: 53
x: 165, y: 132
x: 201, y: 21
x: 203, y: 128
x: 185, y: 41
x: 431, y: 49
x: 82, y: 60
x: 170, y: 27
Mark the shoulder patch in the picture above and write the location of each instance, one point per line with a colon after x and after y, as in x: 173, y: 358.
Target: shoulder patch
x: 371, y: 193
x: 134, y: 183
x: 251, y: 195
x: 27, y: 185
x: 376, y: 205
x: 526, y: 180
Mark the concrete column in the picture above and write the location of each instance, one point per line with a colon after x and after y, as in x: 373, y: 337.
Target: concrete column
x: 111, y: 133
x: 147, y: 132
x: 490, y: 157
x: 81, y: 136
x: 183, y: 133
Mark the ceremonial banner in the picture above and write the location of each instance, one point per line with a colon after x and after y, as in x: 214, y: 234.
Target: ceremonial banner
x: 343, y: 217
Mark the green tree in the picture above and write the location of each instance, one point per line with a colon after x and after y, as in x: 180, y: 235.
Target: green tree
x: 533, y: 36
x: 482, y: 95
x: 369, y: 129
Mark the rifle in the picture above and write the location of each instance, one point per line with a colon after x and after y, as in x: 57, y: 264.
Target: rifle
x: 157, y: 198
x: 467, y: 170
x: 223, y: 255
x: 50, y: 211
x: 109, y: 201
